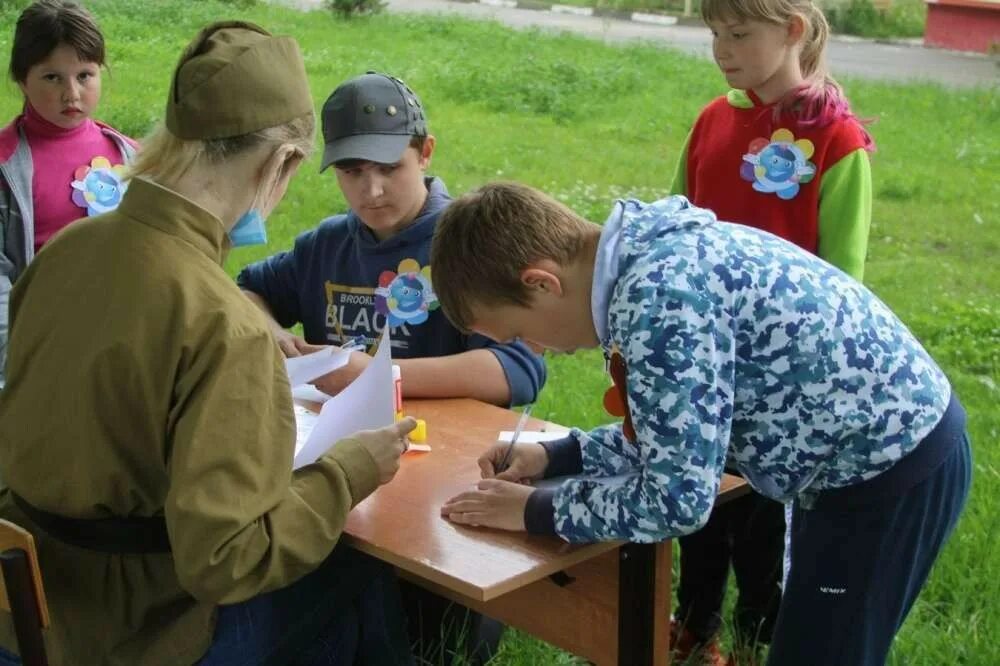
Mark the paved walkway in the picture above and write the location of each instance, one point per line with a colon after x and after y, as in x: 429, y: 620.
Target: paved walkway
x: 847, y: 56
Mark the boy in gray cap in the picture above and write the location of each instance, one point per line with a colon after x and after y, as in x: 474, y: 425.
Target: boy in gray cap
x: 356, y: 273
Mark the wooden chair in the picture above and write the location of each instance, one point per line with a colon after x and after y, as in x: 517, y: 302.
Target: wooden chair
x: 21, y: 592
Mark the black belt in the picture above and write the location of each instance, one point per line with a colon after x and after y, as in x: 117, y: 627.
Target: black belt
x: 108, y: 535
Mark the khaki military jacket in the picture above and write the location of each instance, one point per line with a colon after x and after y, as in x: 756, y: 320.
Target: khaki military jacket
x: 141, y: 382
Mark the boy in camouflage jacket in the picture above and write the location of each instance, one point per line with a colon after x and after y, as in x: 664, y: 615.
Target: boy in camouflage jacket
x: 733, y: 345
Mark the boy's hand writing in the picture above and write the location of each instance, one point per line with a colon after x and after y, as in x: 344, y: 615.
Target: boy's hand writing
x: 493, y: 503
x: 386, y: 445
x: 527, y: 462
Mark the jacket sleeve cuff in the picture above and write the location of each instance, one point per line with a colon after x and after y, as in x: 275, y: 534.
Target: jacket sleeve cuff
x: 564, y: 457
x: 359, y: 468
x: 539, y: 514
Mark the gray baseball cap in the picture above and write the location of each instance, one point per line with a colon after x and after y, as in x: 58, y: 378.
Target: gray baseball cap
x: 371, y: 117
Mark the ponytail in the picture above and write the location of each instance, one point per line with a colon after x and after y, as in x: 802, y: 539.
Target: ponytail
x: 820, y: 101
x: 811, y: 57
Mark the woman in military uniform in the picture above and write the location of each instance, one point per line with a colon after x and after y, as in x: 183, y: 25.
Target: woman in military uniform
x: 147, y: 427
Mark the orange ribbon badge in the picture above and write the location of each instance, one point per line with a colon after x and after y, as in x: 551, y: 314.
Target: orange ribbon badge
x: 616, y: 397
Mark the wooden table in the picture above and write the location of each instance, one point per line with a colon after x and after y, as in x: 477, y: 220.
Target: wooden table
x: 567, y: 595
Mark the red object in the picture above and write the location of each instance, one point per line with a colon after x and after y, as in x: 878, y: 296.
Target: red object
x: 397, y: 388
x: 616, y: 397
x: 723, y: 134
x: 964, y: 25
x: 686, y: 648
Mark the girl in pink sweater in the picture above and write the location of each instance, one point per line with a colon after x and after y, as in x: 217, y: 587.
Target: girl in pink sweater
x: 56, y: 163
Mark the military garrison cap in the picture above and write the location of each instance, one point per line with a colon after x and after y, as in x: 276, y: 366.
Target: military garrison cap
x: 235, y: 78
x: 371, y: 117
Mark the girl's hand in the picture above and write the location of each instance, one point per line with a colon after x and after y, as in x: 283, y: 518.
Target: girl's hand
x: 493, y: 503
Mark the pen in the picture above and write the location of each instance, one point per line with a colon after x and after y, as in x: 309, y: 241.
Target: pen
x: 505, y: 462
x: 357, y: 343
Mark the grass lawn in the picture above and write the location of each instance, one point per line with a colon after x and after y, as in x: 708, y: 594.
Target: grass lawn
x: 590, y: 123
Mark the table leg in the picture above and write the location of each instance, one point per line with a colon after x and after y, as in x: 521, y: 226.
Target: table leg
x: 644, y: 604
x: 605, y: 612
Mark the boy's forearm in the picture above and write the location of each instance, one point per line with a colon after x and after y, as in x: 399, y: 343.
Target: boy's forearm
x: 472, y: 374
x: 259, y: 301
x: 606, y: 452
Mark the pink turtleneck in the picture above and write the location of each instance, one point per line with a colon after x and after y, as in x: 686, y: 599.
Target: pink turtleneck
x: 56, y: 153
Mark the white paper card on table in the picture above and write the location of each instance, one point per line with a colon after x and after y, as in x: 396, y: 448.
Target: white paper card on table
x: 367, y: 403
x: 304, y: 369
x: 532, y: 436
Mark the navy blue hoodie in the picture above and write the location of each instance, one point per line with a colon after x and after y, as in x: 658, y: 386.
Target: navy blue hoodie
x: 340, y: 282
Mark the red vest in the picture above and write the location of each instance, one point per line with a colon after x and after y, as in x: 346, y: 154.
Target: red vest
x: 749, y: 168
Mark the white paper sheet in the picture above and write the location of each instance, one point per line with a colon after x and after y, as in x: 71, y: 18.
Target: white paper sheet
x: 305, y: 421
x: 532, y: 436
x: 304, y: 369
x: 309, y: 393
x: 366, y: 404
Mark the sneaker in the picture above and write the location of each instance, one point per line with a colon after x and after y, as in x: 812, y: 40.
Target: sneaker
x: 686, y: 649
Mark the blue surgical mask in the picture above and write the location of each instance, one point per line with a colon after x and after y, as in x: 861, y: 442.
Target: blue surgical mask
x: 249, y: 229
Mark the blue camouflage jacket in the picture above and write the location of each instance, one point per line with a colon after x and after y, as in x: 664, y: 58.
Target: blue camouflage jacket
x: 738, y: 345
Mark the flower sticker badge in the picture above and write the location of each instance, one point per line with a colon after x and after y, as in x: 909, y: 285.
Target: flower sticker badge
x: 406, y: 297
x: 99, y: 186
x: 778, y: 165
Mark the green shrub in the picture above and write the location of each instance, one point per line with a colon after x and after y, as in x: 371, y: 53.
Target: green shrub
x: 854, y: 17
x: 670, y: 6
x: 904, y: 18
x: 13, y: 6
x: 349, y: 8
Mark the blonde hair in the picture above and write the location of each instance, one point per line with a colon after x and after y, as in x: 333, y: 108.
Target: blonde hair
x: 780, y: 12
x: 819, y: 102
x: 484, y: 240
x: 164, y: 158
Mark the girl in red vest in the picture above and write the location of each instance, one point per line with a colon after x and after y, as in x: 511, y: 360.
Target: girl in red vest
x: 783, y: 152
